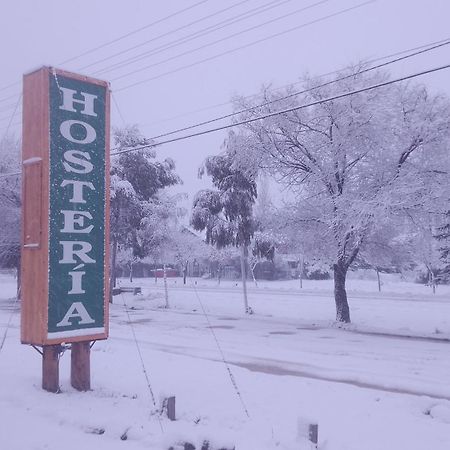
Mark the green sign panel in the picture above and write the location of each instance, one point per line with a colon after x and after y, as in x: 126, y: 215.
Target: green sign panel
x: 77, y: 208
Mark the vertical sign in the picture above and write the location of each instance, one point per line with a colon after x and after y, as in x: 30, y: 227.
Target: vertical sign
x: 66, y: 136
x: 77, y: 208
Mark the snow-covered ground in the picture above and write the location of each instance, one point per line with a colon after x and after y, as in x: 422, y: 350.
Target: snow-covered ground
x: 379, y: 384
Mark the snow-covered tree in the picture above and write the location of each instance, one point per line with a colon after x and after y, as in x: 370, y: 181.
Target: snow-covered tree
x: 443, y: 237
x: 10, y: 205
x: 349, y: 161
x: 226, y: 213
x: 137, y: 182
x: 187, y: 248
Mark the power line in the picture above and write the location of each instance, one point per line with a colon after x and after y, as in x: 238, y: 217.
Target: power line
x: 4, y: 88
x: 141, y: 358
x: 7, y: 98
x: 183, y: 40
x: 167, y: 33
x: 321, y: 19
x: 226, y: 38
x: 12, y: 125
x: 166, y: 46
x: 14, y: 309
x: 10, y: 106
x: 117, y: 107
x: 12, y: 116
x: 370, y: 61
x: 284, y: 111
x: 295, y: 94
x: 131, y: 33
x: 272, y: 114
x: 120, y: 38
x: 222, y: 355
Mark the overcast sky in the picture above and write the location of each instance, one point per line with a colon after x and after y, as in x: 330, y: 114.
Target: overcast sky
x: 35, y: 33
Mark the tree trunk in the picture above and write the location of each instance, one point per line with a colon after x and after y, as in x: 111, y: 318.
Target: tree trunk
x: 252, y: 268
x: 378, y: 279
x: 244, y: 278
x: 340, y: 294
x: 166, y: 291
x: 185, y: 270
x: 19, y: 281
x: 131, y: 271
x: 433, y: 281
x: 112, y: 275
x: 219, y: 274
x: 300, y: 264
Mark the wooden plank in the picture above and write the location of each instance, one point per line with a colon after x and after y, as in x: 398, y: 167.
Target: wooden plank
x: 34, y: 264
x: 32, y: 200
x: 50, y: 368
x: 80, y: 368
x: 107, y: 206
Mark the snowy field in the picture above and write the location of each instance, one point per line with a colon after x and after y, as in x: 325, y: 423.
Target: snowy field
x: 381, y: 383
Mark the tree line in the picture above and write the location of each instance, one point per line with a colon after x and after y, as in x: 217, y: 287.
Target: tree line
x: 362, y: 181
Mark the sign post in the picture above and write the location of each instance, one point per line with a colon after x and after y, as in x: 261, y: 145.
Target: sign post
x: 65, y: 218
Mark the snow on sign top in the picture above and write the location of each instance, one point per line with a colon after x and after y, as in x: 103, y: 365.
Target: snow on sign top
x: 66, y: 208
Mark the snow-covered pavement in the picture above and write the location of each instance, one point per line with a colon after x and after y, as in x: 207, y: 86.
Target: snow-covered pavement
x: 367, y: 390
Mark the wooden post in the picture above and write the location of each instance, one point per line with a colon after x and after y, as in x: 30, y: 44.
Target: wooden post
x: 314, y: 434
x: 171, y: 408
x: 50, y: 367
x: 80, y: 369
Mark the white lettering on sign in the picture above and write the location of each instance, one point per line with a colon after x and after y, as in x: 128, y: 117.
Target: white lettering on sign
x: 75, y: 161
x: 76, y: 311
x: 69, y: 252
x: 69, y: 100
x: 72, y: 218
x: 66, y: 130
x: 76, y: 157
x: 77, y: 278
x: 77, y: 192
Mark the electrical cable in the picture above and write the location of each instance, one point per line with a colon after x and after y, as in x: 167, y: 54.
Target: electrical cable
x: 227, y: 52
x: 7, y: 98
x: 284, y: 111
x: 12, y: 125
x: 295, y: 94
x: 117, y: 107
x: 12, y: 116
x: 280, y: 88
x: 133, y: 32
x: 14, y: 309
x: 141, y: 358
x: 226, y: 38
x: 197, y: 34
x: 167, y: 33
x: 222, y: 355
x: 272, y: 114
x: 9, y: 86
x: 120, y: 38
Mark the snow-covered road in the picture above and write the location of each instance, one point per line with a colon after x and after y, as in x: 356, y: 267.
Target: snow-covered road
x: 367, y: 390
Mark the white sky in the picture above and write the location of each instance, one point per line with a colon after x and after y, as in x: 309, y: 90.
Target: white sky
x: 47, y: 32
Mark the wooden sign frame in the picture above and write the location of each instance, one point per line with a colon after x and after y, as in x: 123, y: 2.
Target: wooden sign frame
x: 52, y: 125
